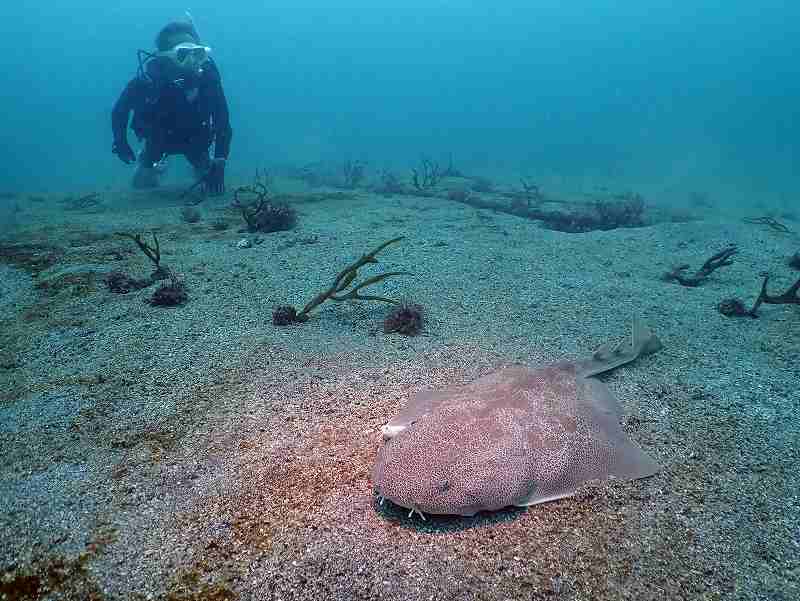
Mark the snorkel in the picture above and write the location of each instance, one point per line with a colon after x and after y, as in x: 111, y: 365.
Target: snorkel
x: 190, y: 21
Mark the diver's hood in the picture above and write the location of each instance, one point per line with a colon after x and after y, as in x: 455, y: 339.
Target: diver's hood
x: 162, y: 70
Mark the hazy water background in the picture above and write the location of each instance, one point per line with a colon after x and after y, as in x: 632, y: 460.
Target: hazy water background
x: 669, y: 96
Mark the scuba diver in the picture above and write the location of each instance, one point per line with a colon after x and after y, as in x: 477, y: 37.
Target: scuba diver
x: 179, y: 107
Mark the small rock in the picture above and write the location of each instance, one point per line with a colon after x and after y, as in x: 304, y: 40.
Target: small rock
x: 244, y: 243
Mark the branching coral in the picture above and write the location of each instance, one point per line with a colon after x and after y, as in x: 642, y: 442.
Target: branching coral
x: 427, y: 176
x: 338, y: 290
x: 152, y: 252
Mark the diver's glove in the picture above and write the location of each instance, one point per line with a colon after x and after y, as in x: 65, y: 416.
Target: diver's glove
x: 214, y: 181
x: 123, y: 150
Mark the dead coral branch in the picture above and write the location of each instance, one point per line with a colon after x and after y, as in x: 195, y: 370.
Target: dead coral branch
x: 790, y: 297
x: 722, y: 259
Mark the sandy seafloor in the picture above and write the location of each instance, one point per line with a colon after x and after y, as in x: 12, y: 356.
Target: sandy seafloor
x: 200, y: 452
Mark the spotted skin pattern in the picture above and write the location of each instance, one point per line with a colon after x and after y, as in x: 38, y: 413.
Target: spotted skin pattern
x: 518, y: 436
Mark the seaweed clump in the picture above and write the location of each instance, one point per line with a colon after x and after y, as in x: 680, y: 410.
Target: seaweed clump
x: 283, y: 315
x: 624, y: 211
x: 338, y: 290
x: 732, y: 307
x: 170, y: 294
x: 258, y: 212
x: 51, y: 578
x: 406, y: 319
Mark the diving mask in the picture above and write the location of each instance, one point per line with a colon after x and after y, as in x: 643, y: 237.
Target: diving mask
x: 188, y: 55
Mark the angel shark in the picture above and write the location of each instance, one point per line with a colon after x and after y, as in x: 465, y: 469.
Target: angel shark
x: 518, y: 436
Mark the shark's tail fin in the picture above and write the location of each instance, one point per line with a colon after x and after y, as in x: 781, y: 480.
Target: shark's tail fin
x: 608, y: 356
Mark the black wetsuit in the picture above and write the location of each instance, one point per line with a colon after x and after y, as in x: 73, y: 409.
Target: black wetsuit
x: 175, y: 113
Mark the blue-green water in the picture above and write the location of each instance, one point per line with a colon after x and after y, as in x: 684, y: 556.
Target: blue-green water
x: 172, y: 427
x: 691, y: 95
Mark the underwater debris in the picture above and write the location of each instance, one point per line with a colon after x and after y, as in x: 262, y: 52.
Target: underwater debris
x: 405, y: 319
x: 151, y: 252
x: 258, y: 212
x: 770, y: 222
x: 286, y: 314
x: 170, y: 294
x: 721, y: 259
